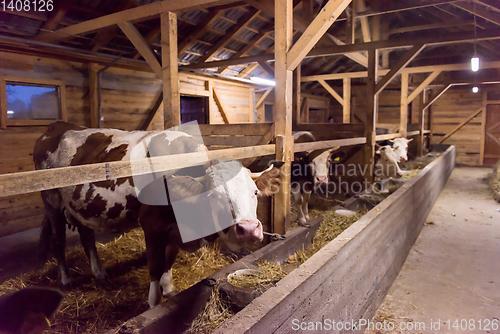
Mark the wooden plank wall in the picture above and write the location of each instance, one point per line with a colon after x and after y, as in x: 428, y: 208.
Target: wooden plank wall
x: 448, y: 112
x: 127, y: 99
x: 348, y: 278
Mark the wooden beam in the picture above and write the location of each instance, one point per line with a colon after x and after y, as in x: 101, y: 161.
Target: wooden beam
x: 371, y: 117
x: 346, y: 109
x: 221, y: 107
x: 407, y: 41
x: 332, y: 91
x: 365, y: 25
x: 144, y: 12
x: 422, y: 86
x: 321, y: 23
x: 263, y: 97
x: 440, y: 25
x: 3, y: 103
x: 479, y: 11
x: 351, y: 24
x: 230, y: 33
x: 142, y: 46
x: 169, y: 73
x: 400, y: 65
x: 358, y: 57
x: 421, y: 123
x: 200, y: 29
x: 464, y: 122
x: 283, y: 96
x: 250, y: 45
x: 483, y: 127
x: 55, y: 17
x: 296, y: 96
x: 403, y: 116
x: 436, y: 96
x: 150, y: 37
x: 93, y: 95
x: 266, y: 67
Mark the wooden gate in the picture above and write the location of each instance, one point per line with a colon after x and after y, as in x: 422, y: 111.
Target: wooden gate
x: 492, y: 135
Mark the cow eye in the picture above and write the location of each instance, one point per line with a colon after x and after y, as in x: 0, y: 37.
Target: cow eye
x: 256, y: 192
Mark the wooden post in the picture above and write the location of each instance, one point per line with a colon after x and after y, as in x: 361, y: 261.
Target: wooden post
x: 403, y: 120
x: 3, y: 103
x: 347, y: 101
x: 283, y: 110
x: 483, y: 127
x: 171, y: 97
x: 371, y: 116
x: 297, y: 98
x: 421, y: 123
x: 93, y: 95
x: 351, y: 25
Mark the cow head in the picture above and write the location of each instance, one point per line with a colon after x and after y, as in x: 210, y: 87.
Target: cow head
x: 387, y: 164
x: 400, y: 146
x: 227, y: 181
x: 319, y: 162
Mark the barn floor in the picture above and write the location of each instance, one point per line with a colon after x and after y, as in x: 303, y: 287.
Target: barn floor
x: 453, y: 270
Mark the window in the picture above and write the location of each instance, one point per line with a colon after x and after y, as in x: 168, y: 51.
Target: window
x: 31, y: 102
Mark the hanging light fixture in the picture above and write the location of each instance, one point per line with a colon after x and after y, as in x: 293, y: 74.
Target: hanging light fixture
x: 474, y: 61
x: 475, y: 89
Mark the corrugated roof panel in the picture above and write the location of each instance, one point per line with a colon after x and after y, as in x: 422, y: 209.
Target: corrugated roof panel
x: 210, y: 37
x: 246, y: 35
x: 234, y: 13
x: 194, y: 15
x: 223, y: 54
x: 221, y: 25
x: 235, y: 45
x: 200, y: 48
x: 257, y: 24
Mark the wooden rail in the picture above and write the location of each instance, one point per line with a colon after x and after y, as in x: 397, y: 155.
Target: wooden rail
x: 39, y: 180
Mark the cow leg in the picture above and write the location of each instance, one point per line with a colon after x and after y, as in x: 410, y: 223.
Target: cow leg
x: 58, y: 241
x: 87, y: 237
x: 298, y: 200
x: 166, y: 281
x: 305, y: 204
x: 155, y: 252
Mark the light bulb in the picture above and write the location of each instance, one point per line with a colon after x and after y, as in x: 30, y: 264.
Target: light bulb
x: 475, y: 89
x: 474, y: 63
x: 263, y: 81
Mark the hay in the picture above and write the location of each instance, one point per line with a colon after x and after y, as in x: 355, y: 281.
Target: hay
x: 215, y: 313
x: 91, y: 307
x: 494, y: 181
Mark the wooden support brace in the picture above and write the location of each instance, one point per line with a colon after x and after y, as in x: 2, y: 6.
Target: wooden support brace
x: 263, y: 97
x: 220, y: 105
x: 422, y: 86
x: 141, y: 45
x: 267, y: 68
x: 321, y: 23
x: 396, y: 68
x: 332, y: 91
x: 464, y: 122
x: 371, y: 117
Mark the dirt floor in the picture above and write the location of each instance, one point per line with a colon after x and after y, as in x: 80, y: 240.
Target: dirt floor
x: 451, y: 277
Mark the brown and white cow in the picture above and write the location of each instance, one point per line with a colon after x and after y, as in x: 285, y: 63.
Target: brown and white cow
x: 113, y: 205
x: 309, y: 170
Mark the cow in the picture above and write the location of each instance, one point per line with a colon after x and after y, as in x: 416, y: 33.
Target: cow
x: 309, y: 170
x: 386, y: 163
x: 27, y: 311
x: 116, y: 204
x: 400, y: 146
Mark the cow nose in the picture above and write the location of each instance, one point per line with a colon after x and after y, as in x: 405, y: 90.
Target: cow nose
x: 248, y: 230
x: 321, y: 179
x: 399, y: 174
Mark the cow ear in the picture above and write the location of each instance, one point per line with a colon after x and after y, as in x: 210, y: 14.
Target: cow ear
x: 269, y: 182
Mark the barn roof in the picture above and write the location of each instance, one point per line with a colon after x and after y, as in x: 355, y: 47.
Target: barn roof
x: 221, y: 30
